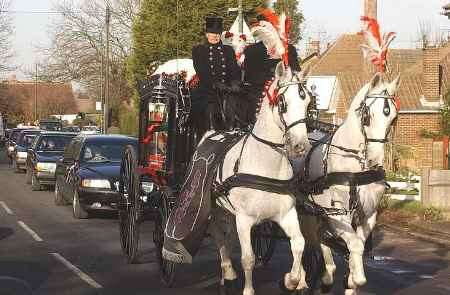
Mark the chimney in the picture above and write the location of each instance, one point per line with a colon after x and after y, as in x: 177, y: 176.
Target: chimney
x: 370, y: 8
x: 431, y: 74
x: 313, y: 47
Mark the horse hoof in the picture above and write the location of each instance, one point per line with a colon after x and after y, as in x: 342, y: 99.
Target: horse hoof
x: 284, y: 290
x: 230, y: 287
x: 325, y: 289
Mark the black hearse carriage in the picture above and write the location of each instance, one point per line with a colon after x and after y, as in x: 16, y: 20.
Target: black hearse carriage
x: 152, y: 175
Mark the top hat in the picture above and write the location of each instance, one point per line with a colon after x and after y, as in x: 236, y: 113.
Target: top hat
x: 214, y: 24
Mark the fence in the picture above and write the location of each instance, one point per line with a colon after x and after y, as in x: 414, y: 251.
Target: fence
x: 435, y: 188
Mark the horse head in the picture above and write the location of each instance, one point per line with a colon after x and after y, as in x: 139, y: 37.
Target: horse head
x: 288, y: 99
x: 376, y: 108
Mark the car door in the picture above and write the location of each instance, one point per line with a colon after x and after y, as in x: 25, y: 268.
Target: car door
x: 31, y: 153
x: 62, y: 167
x: 71, y: 177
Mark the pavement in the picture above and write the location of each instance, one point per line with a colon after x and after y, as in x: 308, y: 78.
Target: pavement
x: 438, y: 231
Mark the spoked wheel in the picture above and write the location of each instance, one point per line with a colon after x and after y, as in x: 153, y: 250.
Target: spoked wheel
x: 167, y: 268
x: 263, y: 242
x: 130, y: 205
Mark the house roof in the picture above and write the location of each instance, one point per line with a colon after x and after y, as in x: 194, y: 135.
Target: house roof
x: 344, y: 59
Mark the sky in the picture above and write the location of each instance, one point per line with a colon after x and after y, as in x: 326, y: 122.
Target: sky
x: 324, y: 18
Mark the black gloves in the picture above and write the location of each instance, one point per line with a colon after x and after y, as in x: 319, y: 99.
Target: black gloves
x: 235, y: 87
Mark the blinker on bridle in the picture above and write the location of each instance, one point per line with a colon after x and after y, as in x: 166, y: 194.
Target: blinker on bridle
x: 278, y: 99
x: 364, y: 110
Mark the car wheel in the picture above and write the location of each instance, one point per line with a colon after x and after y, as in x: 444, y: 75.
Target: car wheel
x: 78, y: 212
x: 28, y: 177
x: 35, y: 185
x: 59, y: 199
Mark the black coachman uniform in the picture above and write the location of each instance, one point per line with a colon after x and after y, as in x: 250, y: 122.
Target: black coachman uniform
x: 219, y: 74
x: 258, y: 68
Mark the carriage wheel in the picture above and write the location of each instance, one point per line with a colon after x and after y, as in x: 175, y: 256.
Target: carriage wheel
x: 130, y: 205
x: 167, y: 268
x: 264, y: 241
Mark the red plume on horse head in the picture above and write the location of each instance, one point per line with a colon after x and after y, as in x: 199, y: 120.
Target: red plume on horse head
x: 376, y: 48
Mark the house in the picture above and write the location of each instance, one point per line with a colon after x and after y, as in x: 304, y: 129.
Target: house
x: 23, y: 98
x: 340, y: 71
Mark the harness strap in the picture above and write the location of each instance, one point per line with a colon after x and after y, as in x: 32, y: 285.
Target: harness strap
x: 256, y: 182
x: 295, y: 124
x: 269, y: 143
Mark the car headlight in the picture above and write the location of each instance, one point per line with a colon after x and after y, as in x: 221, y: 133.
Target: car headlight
x: 47, y: 167
x: 21, y: 155
x: 97, y: 183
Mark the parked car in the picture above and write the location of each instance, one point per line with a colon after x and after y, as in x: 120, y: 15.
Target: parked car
x: 46, y: 150
x: 88, y: 174
x: 19, y: 154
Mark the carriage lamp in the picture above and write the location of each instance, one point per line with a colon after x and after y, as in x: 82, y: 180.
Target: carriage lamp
x: 22, y: 155
x: 46, y: 167
x: 157, y: 111
x: 147, y: 187
x: 96, y: 183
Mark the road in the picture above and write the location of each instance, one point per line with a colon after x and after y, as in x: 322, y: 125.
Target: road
x: 44, y: 250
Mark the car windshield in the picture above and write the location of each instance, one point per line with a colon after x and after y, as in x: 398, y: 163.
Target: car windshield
x: 99, y: 152
x: 28, y: 140
x: 15, y: 135
x: 53, y: 143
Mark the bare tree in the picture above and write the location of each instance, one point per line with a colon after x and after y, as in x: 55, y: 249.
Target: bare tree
x: 79, y: 44
x: 6, y: 31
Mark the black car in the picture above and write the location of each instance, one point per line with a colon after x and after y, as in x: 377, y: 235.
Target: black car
x: 71, y: 129
x: 88, y: 174
x: 19, y: 155
x: 46, y: 150
x: 50, y: 124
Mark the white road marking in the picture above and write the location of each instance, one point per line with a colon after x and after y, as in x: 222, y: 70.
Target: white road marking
x: 30, y: 231
x: 402, y: 272
x: 77, y: 271
x: 9, y: 211
x: 426, y: 277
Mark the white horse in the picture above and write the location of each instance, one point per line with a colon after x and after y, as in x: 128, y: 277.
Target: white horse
x: 357, y: 145
x: 279, y: 126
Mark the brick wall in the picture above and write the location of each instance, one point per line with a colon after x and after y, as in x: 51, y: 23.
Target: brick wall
x: 407, y: 132
x: 431, y: 74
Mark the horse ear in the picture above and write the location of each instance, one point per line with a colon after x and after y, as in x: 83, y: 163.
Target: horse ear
x: 375, y: 81
x: 394, y: 85
x: 280, y: 71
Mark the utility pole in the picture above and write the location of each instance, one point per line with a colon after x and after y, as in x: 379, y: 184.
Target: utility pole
x: 241, y: 17
x: 106, y: 105
x: 35, y: 94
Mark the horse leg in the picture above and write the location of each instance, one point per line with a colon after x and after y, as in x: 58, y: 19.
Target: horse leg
x: 355, y: 246
x: 330, y: 268
x: 244, y: 225
x: 363, y: 231
x: 228, y: 280
x: 296, y: 278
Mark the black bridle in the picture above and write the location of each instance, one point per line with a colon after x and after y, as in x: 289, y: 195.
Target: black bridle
x: 282, y: 108
x: 364, y: 111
